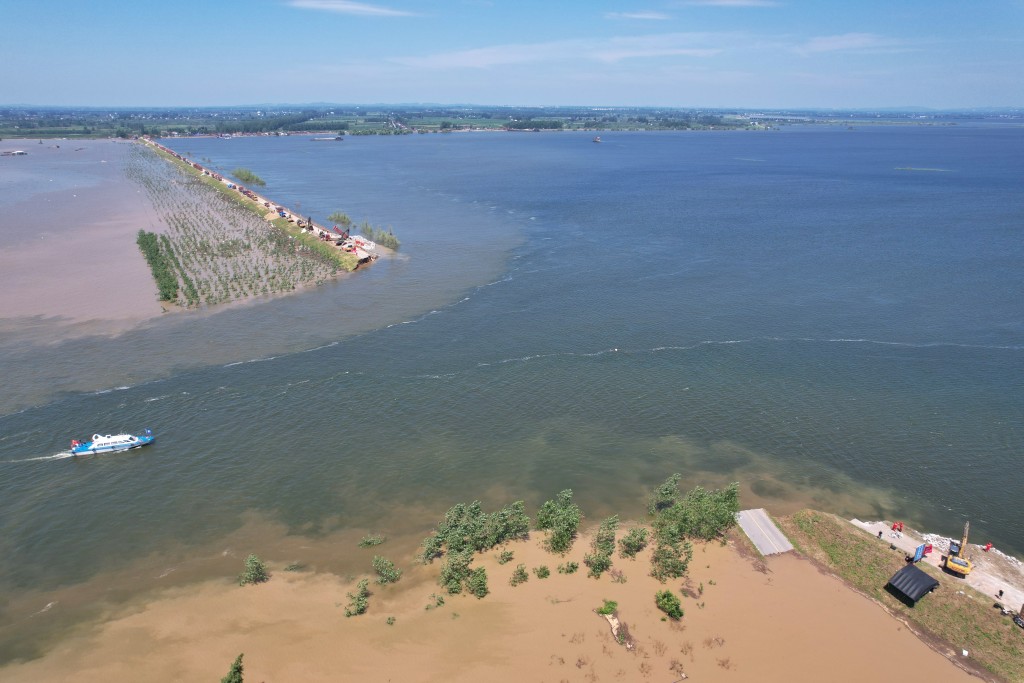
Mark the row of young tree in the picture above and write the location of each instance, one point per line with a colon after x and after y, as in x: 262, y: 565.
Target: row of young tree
x: 158, y: 256
x: 467, y: 530
x: 677, y: 518
x: 535, y: 124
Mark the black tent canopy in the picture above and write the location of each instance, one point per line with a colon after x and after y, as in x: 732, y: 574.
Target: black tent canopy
x: 913, y: 583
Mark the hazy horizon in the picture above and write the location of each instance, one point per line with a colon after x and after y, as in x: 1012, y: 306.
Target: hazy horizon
x: 907, y: 109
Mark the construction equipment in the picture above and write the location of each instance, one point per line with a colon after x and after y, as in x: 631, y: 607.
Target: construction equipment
x: 956, y: 560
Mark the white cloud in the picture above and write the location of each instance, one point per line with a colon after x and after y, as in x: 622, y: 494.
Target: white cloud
x: 347, y: 7
x: 845, y: 43
x: 644, y: 15
x: 733, y: 3
x: 595, y: 50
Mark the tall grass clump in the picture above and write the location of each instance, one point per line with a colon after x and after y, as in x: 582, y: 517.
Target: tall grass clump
x: 340, y: 218
x: 385, y: 238
x: 248, y: 177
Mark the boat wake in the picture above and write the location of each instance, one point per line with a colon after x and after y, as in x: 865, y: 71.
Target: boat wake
x: 57, y: 456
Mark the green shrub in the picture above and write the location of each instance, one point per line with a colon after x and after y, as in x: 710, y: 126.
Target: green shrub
x: 608, y: 607
x: 568, y: 568
x: 235, y: 674
x: 700, y: 514
x: 603, y: 545
x: 505, y: 557
x: 455, y: 570
x: 371, y: 540
x: 597, y: 564
x: 561, y: 519
x: 670, y: 559
x: 390, y: 621
x: 436, y: 601
x: 665, y: 496
x: 519, y: 576
x: 542, y: 572
x: 669, y: 603
x: 476, y: 583
x: 255, y: 571
x: 634, y: 541
x: 358, y: 601
x: 468, y: 527
x: 386, y: 571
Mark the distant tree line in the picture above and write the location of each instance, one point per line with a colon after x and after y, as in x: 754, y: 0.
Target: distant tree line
x: 531, y: 124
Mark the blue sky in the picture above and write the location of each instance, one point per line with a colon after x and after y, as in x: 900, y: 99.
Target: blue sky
x: 685, y: 53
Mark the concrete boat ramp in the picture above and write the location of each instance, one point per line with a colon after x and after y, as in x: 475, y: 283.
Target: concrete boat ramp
x: 759, y: 527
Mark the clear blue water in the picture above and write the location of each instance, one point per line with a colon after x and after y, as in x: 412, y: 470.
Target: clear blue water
x: 794, y: 310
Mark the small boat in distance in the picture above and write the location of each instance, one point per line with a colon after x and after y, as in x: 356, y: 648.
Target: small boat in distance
x: 338, y: 138
x: 111, y: 443
x: 597, y: 139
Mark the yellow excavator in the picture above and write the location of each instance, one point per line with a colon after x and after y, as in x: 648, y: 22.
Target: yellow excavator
x: 956, y: 560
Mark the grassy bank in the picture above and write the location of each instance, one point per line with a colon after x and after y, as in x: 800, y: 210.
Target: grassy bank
x: 948, y: 619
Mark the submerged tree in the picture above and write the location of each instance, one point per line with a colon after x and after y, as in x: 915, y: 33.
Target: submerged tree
x: 255, y: 571
x: 465, y: 530
x: 561, y: 519
x: 235, y: 674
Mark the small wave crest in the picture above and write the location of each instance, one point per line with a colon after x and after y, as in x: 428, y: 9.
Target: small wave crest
x: 49, y: 606
x: 252, y: 360
x: 107, y: 391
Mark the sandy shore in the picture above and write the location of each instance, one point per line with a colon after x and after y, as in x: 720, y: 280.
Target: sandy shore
x: 782, y: 620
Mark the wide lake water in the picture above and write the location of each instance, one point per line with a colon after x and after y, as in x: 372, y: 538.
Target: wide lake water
x: 831, y: 317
